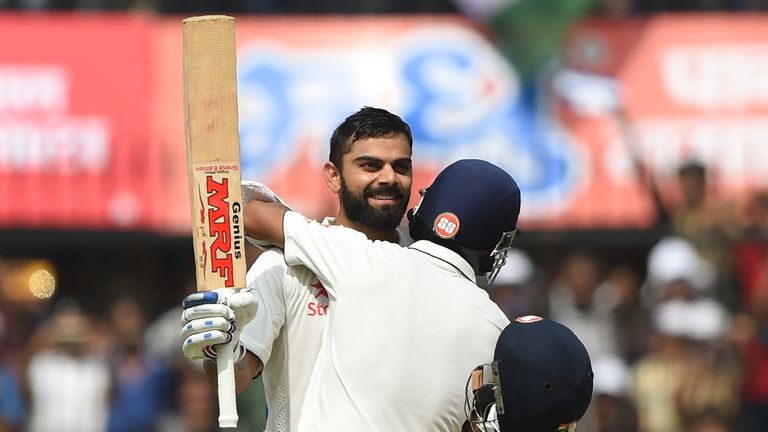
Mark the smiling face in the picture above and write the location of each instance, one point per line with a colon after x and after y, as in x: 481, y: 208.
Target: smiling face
x: 374, y: 181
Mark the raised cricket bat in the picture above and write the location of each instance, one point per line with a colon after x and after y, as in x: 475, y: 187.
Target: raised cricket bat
x: 213, y: 167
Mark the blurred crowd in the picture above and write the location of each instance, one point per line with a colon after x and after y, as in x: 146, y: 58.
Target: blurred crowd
x: 78, y: 372
x: 679, y: 341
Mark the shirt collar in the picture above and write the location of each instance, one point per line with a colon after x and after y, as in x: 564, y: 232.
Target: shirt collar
x: 447, y: 255
x: 402, y: 239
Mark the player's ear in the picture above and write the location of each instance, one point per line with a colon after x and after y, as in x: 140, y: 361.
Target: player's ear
x: 332, y: 177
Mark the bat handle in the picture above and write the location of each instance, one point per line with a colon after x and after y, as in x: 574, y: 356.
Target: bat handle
x: 225, y: 369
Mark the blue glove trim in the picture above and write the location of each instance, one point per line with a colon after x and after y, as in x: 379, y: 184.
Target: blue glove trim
x: 199, y: 298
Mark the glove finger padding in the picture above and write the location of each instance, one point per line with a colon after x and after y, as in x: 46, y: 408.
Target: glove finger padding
x: 208, y: 311
x: 206, y: 325
x: 195, y: 346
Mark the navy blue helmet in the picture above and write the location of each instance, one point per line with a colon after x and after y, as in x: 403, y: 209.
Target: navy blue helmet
x: 472, y: 205
x: 540, y: 380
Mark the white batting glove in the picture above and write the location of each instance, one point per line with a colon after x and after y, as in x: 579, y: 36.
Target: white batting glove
x: 215, y: 317
x: 251, y: 191
x: 260, y: 192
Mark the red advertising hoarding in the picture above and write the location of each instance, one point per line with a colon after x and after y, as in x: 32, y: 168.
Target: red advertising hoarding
x: 75, y: 148
x: 92, y: 124
x: 689, y: 87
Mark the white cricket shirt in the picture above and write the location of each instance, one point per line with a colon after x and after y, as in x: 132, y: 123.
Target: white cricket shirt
x: 286, y: 332
x: 69, y: 394
x: 405, y: 328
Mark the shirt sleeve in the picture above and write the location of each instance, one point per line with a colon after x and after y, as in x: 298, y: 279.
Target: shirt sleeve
x: 265, y: 282
x: 330, y: 252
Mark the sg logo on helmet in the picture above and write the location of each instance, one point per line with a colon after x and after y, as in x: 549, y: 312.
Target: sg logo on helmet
x: 446, y: 225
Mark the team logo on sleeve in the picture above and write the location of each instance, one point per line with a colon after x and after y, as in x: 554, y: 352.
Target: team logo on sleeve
x: 321, y: 291
x: 320, y: 306
x: 446, y: 225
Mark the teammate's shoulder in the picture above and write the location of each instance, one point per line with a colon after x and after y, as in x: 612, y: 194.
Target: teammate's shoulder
x: 339, y: 236
x: 495, y: 314
x: 275, y: 259
x: 389, y: 246
x: 302, y: 274
x: 272, y: 256
x: 329, y: 225
x: 271, y: 259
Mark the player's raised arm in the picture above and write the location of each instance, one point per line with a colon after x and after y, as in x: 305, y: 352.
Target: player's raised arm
x: 263, y: 214
x: 264, y: 221
x: 328, y: 251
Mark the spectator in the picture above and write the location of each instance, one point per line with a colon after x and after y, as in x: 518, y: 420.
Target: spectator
x: 12, y: 407
x: 197, y: 409
x: 751, y: 335
x: 711, y: 423
x: 13, y: 411
x: 687, y: 374
x: 572, y: 302
x: 621, y: 290
x: 515, y: 290
x: 658, y: 375
x: 142, y: 386
x: 710, y: 387
x: 710, y: 226
x: 162, y: 338
x: 612, y: 408
x: 751, y: 251
x: 676, y: 270
x: 67, y: 376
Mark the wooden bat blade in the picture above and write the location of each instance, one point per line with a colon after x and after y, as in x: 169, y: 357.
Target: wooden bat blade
x: 213, y: 150
x: 213, y: 161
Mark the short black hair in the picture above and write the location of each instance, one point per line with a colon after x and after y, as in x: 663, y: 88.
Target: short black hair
x: 368, y: 122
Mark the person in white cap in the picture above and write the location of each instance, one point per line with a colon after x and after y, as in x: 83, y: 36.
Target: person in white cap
x: 676, y: 270
x: 514, y: 289
x: 676, y: 382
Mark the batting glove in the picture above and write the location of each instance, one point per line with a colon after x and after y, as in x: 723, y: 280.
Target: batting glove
x: 260, y: 192
x: 251, y: 191
x: 215, y: 317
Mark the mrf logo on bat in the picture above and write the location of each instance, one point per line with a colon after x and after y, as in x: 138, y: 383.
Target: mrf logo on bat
x: 220, y: 221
